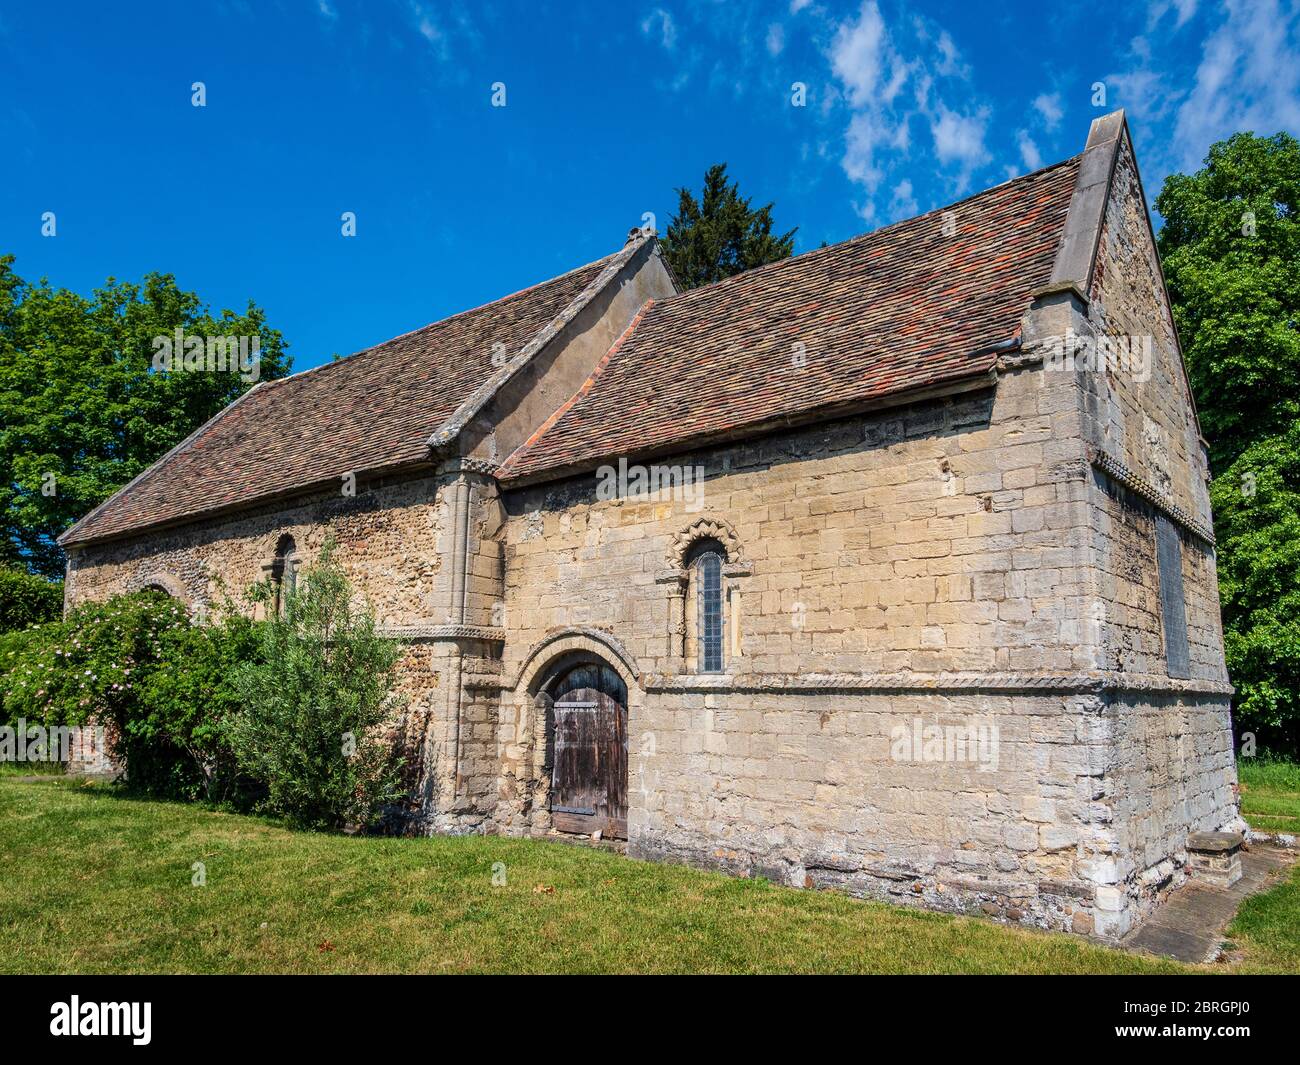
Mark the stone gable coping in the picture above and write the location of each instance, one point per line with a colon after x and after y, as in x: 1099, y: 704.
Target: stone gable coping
x: 445, y: 435
x: 1076, y: 257
x: 1077, y: 253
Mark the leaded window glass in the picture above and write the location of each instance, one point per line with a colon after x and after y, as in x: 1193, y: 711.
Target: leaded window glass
x: 708, y: 572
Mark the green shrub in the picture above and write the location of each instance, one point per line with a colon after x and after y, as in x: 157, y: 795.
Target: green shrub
x: 90, y: 665
x: 287, y: 711
x: 26, y: 599
x: 313, y: 705
x: 176, y: 743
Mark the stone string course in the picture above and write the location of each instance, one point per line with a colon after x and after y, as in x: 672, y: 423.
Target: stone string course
x: 1116, y: 470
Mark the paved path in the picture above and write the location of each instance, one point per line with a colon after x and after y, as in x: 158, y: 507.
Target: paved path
x: 1189, y: 926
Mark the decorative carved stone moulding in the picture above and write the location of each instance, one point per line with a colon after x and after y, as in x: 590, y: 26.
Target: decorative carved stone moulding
x: 1122, y: 475
x: 705, y: 529
x: 442, y: 632
x: 923, y: 682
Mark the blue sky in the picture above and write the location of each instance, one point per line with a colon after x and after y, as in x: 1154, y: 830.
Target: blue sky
x: 384, y: 108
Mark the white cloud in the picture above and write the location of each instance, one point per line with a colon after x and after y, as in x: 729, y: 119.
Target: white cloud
x: 938, y: 42
x: 864, y: 60
x: 873, y: 74
x: 959, y: 138
x: 427, y: 27
x: 1143, y: 89
x: 865, y: 134
x: 1029, y: 153
x: 775, y: 38
x: 327, y: 12
x: 1143, y: 93
x: 903, y: 203
x: 1248, y: 78
x: 798, y: 5
x: 874, y: 64
x: 660, y: 23
x: 1048, y: 105
x: 949, y: 61
x: 1183, y: 10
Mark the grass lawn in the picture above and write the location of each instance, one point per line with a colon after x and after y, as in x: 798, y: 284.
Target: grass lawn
x: 94, y: 882
x: 1270, y: 802
x: 1270, y: 794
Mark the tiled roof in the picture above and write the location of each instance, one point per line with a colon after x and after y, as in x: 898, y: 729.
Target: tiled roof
x: 373, y: 410
x: 893, y: 311
x: 905, y: 307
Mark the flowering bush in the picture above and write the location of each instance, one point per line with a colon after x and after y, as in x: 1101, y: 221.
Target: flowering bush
x: 88, y: 666
x: 137, y: 665
x: 289, y: 712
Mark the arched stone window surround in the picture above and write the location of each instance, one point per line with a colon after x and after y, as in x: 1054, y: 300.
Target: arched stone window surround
x: 282, y: 568
x: 164, y: 582
x: 706, y: 529
x: 170, y: 584
x: 547, y: 662
x: 677, y: 575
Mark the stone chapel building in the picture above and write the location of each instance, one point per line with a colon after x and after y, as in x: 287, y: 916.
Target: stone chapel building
x: 842, y: 571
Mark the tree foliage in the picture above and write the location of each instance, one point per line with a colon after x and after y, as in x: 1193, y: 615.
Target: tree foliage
x: 1257, y: 521
x: 82, y: 411
x: 26, y: 599
x: 720, y: 234
x: 1231, y: 251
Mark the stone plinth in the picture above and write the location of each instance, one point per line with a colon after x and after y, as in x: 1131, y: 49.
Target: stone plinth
x: 1215, y: 856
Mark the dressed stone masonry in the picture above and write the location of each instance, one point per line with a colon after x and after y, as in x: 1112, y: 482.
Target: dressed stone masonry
x: 960, y: 582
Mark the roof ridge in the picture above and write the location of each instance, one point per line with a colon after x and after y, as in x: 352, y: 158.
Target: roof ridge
x: 803, y: 256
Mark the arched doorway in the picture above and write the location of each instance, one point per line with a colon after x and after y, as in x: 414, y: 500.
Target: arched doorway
x: 588, y: 734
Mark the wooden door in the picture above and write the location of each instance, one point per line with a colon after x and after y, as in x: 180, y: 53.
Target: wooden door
x: 589, y: 772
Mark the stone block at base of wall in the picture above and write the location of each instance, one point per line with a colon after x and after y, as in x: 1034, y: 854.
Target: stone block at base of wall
x: 88, y: 753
